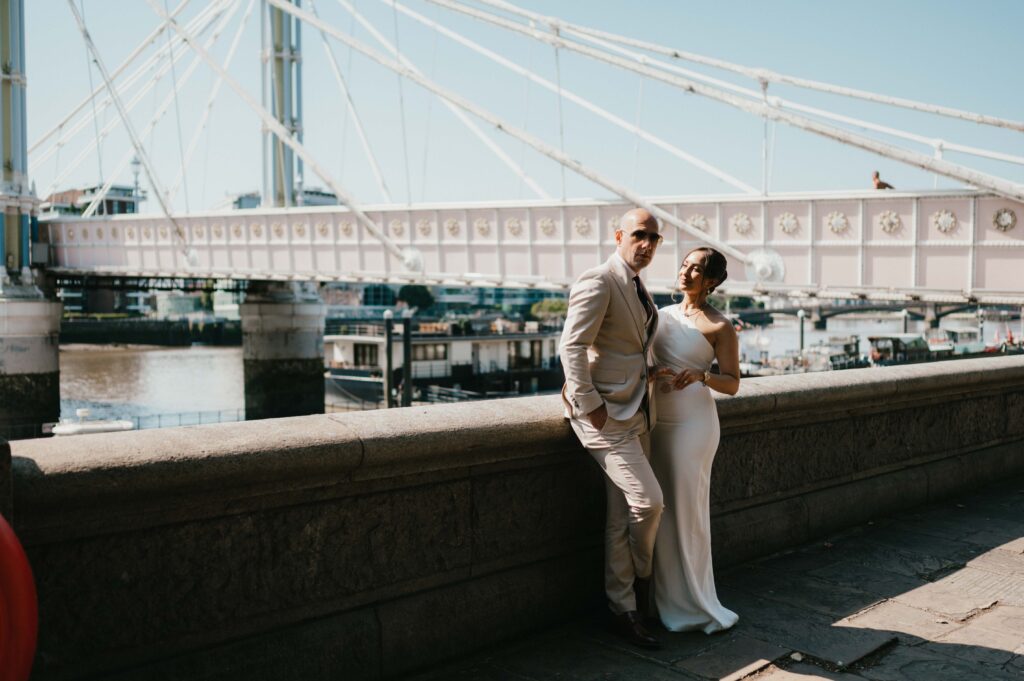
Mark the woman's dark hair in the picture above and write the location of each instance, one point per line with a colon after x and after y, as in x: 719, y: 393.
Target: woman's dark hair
x: 715, y: 266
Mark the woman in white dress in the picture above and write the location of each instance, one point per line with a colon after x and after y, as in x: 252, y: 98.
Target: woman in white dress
x: 690, y: 336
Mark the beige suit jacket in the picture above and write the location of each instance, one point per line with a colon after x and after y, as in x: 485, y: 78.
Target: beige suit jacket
x: 605, y: 345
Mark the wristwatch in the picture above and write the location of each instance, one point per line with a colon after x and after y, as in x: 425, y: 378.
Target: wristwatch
x: 707, y: 376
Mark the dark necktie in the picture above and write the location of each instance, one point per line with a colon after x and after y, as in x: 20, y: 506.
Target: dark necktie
x: 642, y: 295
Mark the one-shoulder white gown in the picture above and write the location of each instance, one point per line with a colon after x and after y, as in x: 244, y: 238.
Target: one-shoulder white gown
x: 683, y: 446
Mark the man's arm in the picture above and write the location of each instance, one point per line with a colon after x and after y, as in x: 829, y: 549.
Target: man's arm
x: 588, y: 302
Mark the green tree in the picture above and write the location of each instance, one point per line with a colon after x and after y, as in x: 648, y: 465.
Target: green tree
x: 549, y: 309
x: 415, y: 295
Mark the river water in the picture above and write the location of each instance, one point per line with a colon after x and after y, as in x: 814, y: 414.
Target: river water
x: 166, y: 386
x: 153, y: 385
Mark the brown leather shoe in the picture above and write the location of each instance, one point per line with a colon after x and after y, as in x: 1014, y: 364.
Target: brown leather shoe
x: 629, y: 625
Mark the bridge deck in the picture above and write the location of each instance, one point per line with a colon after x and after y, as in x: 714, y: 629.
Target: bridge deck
x: 936, y: 594
x: 942, y: 246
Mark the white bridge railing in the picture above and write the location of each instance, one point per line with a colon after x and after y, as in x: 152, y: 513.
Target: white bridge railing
x: 942, y: 245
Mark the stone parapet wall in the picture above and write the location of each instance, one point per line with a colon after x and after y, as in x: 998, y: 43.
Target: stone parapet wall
x: 366, y: 545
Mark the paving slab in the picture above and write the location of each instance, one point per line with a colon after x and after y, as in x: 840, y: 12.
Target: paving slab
x: 932, y: 595
x: 917, y: 664
x: 802, y: 591
x: 995, y: 636
x: 998, y: 560
x: 977, y: 586
x: 945, y: 598
x: 904, y: 538
x: 801, y: 672
x: 910, y: 625
x: 733, y: 660
x: 805, y: 631
x: 863, y: 551
x: 877, y: 581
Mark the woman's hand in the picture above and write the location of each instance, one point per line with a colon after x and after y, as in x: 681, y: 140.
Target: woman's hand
x: 680, y: 380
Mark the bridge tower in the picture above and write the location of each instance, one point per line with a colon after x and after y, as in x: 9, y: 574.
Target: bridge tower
x: 29, y: 323
x: 282, y: 323
x: 282, y: 96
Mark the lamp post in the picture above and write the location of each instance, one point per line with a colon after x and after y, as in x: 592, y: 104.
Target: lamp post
x: 801, y: 315
x: 407, y: 357
x: 905, y: 313
x: 389, y: 359
x: 136, y: 192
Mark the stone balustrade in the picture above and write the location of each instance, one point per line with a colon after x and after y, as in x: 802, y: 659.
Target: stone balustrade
x: 367, y: 545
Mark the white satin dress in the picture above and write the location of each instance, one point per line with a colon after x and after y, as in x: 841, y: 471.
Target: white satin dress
x: 683, y: 446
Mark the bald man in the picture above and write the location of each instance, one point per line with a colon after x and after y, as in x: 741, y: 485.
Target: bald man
x: 605, y: 350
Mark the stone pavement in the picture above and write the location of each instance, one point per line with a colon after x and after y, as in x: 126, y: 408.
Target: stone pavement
x: 935, y: 594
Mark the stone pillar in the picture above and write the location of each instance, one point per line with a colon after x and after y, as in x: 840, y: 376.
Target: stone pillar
x: 283, y: 351
x: 29, y: 364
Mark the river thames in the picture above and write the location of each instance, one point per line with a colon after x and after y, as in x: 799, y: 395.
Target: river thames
x: 161, y: 386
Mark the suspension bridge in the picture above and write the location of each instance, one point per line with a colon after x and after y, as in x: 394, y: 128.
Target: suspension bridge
x: 952, y: 245
x: 947, y: 245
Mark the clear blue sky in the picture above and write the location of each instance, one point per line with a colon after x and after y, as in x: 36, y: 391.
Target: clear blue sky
x: 960, y: 54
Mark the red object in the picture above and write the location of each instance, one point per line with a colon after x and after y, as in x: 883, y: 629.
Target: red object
x: 19, y: 612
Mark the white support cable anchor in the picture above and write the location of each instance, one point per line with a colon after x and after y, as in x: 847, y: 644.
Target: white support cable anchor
x: 500, y: 124
x: 997, y: 185
x: 139, y: 149
x: 410, y: 257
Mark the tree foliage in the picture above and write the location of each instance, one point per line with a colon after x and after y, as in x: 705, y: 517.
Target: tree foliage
x: 416, y: 295
x: 549, y: 308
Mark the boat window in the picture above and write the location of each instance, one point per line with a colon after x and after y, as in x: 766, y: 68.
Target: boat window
x: 364, y: 355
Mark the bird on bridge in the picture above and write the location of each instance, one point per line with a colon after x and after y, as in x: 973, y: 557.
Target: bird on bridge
x: 879, y: 182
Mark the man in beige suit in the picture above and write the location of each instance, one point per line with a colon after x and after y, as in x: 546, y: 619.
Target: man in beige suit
x: 605, y: 355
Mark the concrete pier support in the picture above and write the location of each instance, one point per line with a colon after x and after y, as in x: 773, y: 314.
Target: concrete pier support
x: 283, y: 351
x: 29, y: 364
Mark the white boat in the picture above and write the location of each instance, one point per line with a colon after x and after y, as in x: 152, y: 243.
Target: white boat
x: 83, y: 427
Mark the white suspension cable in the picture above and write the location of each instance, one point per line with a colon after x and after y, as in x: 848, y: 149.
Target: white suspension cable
x: 204, y: 20
x: 158, y: 114
x: 470, y: 124
x: 636, y: 138
x: 561, y: 120
x: 970, y: 176
x: 351, y: 110
x: 502, y: 125
x: 95, y: 120
x: 139, y: 96
x: 409, y: 257
x: 177, y: 108
x: 779, y: 102
x: 211, y: 98
x: 401, y: 114
x: 580, y: 101
x: 764, y: 142
x: 758, y: 74
x: 146, y: 42
x: 344, y: 125
x: 526, y: 108
x: 430, y: 110
x: 139, y: 149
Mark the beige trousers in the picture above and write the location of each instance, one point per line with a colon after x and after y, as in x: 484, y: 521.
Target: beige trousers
x: 635, y: 503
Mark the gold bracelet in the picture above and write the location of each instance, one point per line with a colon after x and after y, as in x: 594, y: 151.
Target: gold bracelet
x: 707, y: 377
